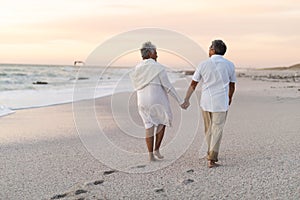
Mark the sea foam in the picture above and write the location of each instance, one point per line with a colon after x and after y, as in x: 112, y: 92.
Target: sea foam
x: 5, y: 111
x: 65, y: 84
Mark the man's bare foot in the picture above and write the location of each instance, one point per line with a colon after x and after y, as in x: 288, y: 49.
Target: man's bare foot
x: 158, y: 155
x: 212, y: 164
x: 217, y: 165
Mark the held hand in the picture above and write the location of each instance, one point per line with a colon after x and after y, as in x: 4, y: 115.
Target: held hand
x: 185, y: 105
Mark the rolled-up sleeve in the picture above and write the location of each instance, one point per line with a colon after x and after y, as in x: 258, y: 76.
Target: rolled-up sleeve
x: 232, y: 77
x: 197, y: 75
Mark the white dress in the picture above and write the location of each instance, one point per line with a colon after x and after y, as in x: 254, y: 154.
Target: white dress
x: 153, y: 103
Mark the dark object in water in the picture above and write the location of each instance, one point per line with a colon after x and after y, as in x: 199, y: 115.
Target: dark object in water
x: 78, y: 62
x: 40, y: 83
x: 82, y: 78
x: 188, y: 72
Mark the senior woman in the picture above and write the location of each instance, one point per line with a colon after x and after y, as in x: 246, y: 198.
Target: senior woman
x: 151, y: 82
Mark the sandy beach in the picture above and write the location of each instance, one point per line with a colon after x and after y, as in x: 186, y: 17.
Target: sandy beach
x: 44, y: 157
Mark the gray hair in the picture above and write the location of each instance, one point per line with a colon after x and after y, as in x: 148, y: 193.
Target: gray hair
x: 147, y: 48
x: 219, y: 46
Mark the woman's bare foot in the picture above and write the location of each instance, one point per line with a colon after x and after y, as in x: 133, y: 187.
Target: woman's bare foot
x: 151, y: 157
x: 158, y: 155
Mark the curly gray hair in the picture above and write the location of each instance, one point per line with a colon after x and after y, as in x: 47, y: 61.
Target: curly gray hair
x: 147, y: 48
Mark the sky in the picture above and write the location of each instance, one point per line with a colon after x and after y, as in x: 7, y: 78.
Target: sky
x: 258, y: 33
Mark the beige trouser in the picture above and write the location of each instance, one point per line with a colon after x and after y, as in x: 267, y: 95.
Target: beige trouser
x: 213, y: 123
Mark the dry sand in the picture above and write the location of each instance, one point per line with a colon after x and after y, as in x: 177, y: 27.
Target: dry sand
x: 43, y: 156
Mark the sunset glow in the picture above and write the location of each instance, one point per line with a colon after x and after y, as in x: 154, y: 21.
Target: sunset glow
x: 258, y: 33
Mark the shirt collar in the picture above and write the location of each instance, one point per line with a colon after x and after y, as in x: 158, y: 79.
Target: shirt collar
x: 149, y: 60
x: 216, y: 56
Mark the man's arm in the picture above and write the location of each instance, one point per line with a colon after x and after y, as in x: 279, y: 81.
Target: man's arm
x: 189, y: 93
x: 231, y: 91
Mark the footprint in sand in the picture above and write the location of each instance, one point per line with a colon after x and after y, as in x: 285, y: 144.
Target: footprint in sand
x: 98, y: 182
x: 77, y: 192
x: 59, y: 196
x: 160, y: 190
x: 187, y: 181
x: 138, y: 167
x: 190, y: 171
x: 141, y: 166
x: 109, y: 172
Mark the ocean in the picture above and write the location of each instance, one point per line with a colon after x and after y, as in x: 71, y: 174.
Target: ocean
x: 24, y: 86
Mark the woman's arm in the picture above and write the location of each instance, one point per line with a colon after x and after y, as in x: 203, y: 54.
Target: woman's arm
x: 169, y: 87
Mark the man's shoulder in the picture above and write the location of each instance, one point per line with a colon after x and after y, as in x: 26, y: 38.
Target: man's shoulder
x: 204, y: 63
x: 227, y: 61
x: 208, y: 60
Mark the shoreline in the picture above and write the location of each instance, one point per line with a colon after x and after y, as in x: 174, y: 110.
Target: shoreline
x: 288, y: 74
